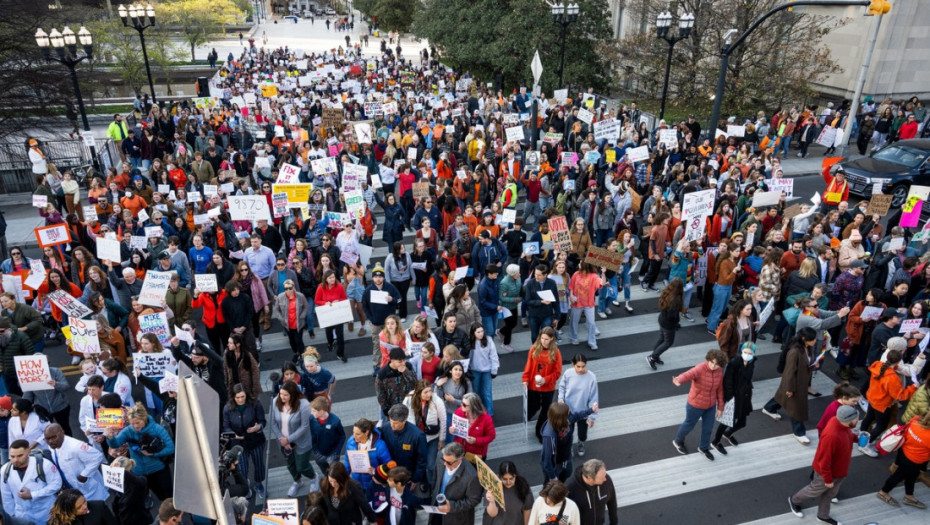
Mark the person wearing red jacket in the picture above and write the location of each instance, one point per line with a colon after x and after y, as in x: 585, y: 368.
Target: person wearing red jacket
x: 481, y: 430
x: 541, y: 376
x: 327, y: 293
x: 213, y: 320
x: 705, y: 395
x: 831, y: 464
x: 908, y: 130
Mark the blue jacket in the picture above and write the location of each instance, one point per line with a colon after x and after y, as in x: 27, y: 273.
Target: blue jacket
x: 145, y: 465
x: 377, y: 312
x: 481, y: 255
x: 435, y: 218
x: 394, y: 218
x: 407, y: 448
x: 329, y: 437
x: 377, y: 454
x: 488, y: 296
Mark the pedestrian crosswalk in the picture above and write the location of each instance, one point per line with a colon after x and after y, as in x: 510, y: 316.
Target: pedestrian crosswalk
x: 640, y: 410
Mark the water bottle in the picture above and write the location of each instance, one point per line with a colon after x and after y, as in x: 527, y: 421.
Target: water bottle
x: 863, y: 439
x: 440, y: 500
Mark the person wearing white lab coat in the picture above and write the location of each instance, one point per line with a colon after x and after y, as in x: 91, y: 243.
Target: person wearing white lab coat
x: 26, y: 424
x: 78, y: 463
x: 87, y: 416
x: 25, y: 495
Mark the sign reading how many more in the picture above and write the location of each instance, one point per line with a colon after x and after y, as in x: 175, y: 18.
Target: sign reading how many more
x: 32, y: 372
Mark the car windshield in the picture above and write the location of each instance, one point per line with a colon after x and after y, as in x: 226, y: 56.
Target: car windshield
x: 910, y: 157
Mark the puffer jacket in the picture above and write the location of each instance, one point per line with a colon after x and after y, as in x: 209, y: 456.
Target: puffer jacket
x: 885, y: 390
x: 145, y: 465
x: 918, y: 405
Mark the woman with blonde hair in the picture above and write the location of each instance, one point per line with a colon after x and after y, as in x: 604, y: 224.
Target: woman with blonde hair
x: 129, y: 505
x: 154, y: 443
x: 391, y: 336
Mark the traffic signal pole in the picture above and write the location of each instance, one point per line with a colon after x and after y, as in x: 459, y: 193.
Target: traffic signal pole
x: 728, y: 49
x: 863, y: 74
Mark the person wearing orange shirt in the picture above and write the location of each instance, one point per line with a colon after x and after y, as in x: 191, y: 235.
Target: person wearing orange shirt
x: 911, y: 461
x: 133, y: 202
x: 885, y: 389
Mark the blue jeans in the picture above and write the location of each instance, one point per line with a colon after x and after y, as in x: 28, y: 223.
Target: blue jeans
x: 39, y: 346
x: 602, y: 235
x: 797, y: 427
x: 624, y: 278
x: 489, y: 322
x: 481, y: 384
x: 421, y: 295
x: 602, y: 299
x: 687, y: 296
x: 692, y: 415
x: 311, y: 315
x: 537, y: 324
x: 432, y: 451
x: 588, y: 320
x: 721, y: 300
x: 785, y: 143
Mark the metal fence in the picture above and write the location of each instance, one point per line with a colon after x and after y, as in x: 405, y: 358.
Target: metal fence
x: 16, y: 170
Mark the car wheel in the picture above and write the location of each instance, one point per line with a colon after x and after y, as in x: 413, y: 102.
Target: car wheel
x: 899, y: 195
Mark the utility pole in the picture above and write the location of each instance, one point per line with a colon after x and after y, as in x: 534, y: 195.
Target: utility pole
x: 876, y: 9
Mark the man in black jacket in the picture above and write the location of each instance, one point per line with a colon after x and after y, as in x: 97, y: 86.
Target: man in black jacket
x: 593, y: 491
x: 541, y: 313
x: 450, y: 334
x: 207, y: 364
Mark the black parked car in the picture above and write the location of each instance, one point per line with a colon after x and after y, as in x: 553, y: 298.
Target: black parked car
x: 897, y: 167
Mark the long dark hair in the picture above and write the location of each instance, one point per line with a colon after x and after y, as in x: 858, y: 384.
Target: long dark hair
x: 338, y: 472
x: 294, y: 402
x: 239, y: 389
x: 892, y: 358
x: 244, y: 354
x: 471, y: 334
x: 672, y: 295
x: 520, y: 485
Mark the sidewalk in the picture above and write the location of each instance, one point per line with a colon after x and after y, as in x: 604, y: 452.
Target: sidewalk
x: 795, y: 167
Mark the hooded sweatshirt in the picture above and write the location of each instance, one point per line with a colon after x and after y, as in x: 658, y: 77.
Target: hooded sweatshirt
x: 595, y: 502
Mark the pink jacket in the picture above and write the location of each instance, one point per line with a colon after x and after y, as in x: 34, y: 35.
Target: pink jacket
x: 706, y: 385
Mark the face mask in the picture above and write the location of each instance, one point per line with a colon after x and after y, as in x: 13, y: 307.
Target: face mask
x: 747, y: 357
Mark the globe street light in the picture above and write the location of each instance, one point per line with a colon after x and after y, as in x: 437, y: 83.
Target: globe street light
x: 563, y: 15
x: 663, y: 31
x: 65, y: 45
x: 141, y: 17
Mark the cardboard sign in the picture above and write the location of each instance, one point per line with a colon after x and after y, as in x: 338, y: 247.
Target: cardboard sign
x: 84, y: 338
x: 248, y: 208
x: 68, y: 304
x: 156, y: 323
x: 287, y: 174
x: 32, y: 372
x: 53, y: 235
x: 332, y: 117
x: 879, y: 204
x: 792, y: 211
x: 154, y: 288
x: 286, y: 509
x: 602, y: 258
x: 108, y: 250
x: 420, y: 190
x: 698, y: 204
x: 113, y: 477
x: 110, y: 418
x: 153, y: 365
x: 334, y: 314
x: 489, y: 480
x: 636, y: 154
x: 561, y: 238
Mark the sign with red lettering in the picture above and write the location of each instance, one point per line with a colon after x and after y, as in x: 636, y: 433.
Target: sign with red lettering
x: 32, y: 372
x: 53, y: 235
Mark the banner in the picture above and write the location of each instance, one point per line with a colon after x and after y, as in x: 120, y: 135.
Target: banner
x: 248, y: 208
x: 154, y: 287
x: 84, y: 338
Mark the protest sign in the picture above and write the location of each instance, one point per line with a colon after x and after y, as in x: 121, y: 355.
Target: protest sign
x: 113, y: 477
x: 35, y: 279
x: 561, y: 238
x: 637, y: 154
x: 84, y: 339
x: 156, y: 323
x: 698, y: 204
x: 872, y: 313
x: 154, y: 232
x: 108, y: 250
x: 169, y: 383
x: 736, y: 131
x: 531, y: 248
x: 552, y: 138
x: 258, y: 519
x: 110, y: 418
x: 489, y: 480
x: 353, y: 175
x: 607, y: 129
x: 779, y: 185
x: 694, y: 228
x: 669, y: 137
x: 206, y: 282
x: 355, y: 203
x: 610, y: 156
x: 286, y: 509
x: 420, y: 190
x: 39, y: 201
x: 90, y: 213
x: 531, y: 158
x: 569, y: 158
x: 287, y: 174
x: 324, y: 166
x: 910, y: 325
x: 333, y: 314
x: 153, y: 365
x: 332, y: 117
x: 358, y: 461
x: 296, y: 193
x: 279, y: 204
x: 68, y: 304
x: 509, y: 216
x: 248, y: 208
x: 766, y: 313
x: 514, y: 134
x: 138, y: 242
x: 13, y: 283
x: 154, y: 288
x: 53, y: 235
x: 766, y: 198
x: 32, y: 372
x: 827, y: 136
x: 560, y: 95
x: 792, y: 211
x: 879, y: 204
x: 585, y: 116
x: 459, y: 426
x: 602, y: 258
x: 363, y: 133
x: 568, y: 185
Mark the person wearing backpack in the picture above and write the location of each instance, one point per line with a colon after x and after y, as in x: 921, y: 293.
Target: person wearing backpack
x: 29, y: 493
x: 885, y: 388
x: 910, y: 462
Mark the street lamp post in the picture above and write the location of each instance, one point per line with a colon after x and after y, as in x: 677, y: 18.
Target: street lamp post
x: 141, y: 17
x: 663, y: 31
x: 66, y: 53
x: 563, y: 15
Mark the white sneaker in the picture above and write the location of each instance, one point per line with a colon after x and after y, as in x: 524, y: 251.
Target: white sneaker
x: 804, y: 440
x: 295, y: 487
x: 868, y: 450
x: 774, y: 415
x: 602, y: 315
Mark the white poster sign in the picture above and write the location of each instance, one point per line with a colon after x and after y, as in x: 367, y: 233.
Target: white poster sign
x: 249, y: 208
x: 154, y: 288
x: 32, y: 372
x: 333, y: 314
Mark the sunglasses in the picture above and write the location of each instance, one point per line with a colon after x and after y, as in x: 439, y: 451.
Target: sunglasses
x: 288, y: 287
x: 16, y: 253
x: 244, y: 270
x: 450, y: 463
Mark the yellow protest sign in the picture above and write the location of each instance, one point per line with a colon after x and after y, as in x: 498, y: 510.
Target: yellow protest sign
x: 611, y: 155
x: 269, y: 90
x: 296, y: 193
x: 489, y: 480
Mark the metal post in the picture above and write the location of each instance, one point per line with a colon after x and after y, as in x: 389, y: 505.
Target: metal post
x: 80, y: 99
x: 148, y: 70
x: 562, y: 52
x: 668, y: 69
x: 718, y: 95
x: 534, y: 129
x: 863, y: 73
